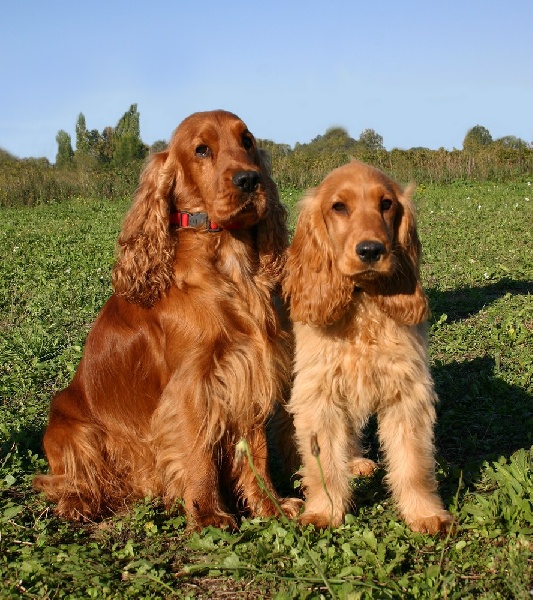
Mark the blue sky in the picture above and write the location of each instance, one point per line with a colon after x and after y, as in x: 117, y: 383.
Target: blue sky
x: 418, y: 73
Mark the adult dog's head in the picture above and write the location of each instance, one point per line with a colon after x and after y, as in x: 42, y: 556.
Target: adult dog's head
x: 212, y: 170
x: 217, y: 168
x: 356, y: 232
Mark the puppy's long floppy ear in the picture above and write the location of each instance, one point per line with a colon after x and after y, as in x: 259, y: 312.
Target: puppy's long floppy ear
x: 317, y: 292
x: 272, y: 232
x: 143, y: 270
x: 401, y: 296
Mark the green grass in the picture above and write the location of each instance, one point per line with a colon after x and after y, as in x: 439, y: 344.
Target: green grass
x: 478, y: 271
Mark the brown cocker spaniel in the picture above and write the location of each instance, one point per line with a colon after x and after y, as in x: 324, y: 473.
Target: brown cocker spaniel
x: 352, y: 278
x: 187, y: 356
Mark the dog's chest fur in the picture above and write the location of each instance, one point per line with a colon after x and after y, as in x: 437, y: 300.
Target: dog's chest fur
x: 234, y: 329
x: 366, y: 358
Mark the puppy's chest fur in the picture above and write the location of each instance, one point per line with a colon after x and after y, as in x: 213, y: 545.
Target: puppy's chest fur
x: 365, y: 358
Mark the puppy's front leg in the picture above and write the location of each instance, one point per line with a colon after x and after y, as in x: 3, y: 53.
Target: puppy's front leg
x: 325, y: 447
x: 406, y: 435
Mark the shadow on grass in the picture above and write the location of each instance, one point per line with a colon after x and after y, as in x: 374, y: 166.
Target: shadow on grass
x: 480, y: 417
x: 22, y: 446
x: 462, y: 303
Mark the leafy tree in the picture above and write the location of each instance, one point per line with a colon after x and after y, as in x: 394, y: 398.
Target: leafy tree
x: 93, y: 143
x: 6, y: 157
x: 127, y: 149
x: 335, y: 139
x: 82, y: 141
x: 128, y: 124
x: 106, y: 145
x: 476, y: 138
x: 64, y: 149
x: 370, y: 140
x: 128, y: 145
x: 85, y: 155
x: 511, y: 141
x: 158, y: 146
x: 273, y: 151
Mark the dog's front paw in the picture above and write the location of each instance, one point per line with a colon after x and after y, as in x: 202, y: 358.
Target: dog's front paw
x: 291, y: 507
x: 362, y: 467
x: 268, y: 508
x: 439, y: 523
x: 319, y: 521
x: 220, y: 520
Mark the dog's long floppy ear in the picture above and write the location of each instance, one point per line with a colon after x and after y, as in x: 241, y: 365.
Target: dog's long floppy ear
x: 143, y: 269
x: 272, y: 232
x: 401, y: 296
x: 317, y: 292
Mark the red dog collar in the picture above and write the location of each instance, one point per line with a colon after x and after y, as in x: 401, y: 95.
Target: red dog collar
x: 199, y: 220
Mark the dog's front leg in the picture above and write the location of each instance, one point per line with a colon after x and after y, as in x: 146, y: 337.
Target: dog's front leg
x: 406, y: 435
x: 185, y: 457
x: 326, y: 449
x: 253, y: 483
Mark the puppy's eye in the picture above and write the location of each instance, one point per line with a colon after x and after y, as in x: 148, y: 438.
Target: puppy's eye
x: 247, y: 142
x: 386, y: 204
x: 202, y: 151
x: 339, y: 207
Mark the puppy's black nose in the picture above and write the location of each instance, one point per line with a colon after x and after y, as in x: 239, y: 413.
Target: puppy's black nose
x: 246, y: 181
x: 369, y: 251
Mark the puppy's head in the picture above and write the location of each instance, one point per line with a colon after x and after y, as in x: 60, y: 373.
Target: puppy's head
x: 356, y: 231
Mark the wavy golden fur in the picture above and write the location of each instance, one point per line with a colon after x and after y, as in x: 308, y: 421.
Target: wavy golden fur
x: 352, y: 280
x: 187, y: 356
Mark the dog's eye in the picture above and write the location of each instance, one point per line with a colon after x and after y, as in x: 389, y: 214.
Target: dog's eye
x: 386, y: 204
x: 339, y: 207
x: 247, y: 142
x: 202, y: 151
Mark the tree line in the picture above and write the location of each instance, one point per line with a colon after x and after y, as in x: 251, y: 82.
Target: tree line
x: 481, y: 158
x: 114, y: 146
x: 107, y: 163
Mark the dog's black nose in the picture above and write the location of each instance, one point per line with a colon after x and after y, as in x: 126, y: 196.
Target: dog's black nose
x: 246, y: 181
x: 369, y: 251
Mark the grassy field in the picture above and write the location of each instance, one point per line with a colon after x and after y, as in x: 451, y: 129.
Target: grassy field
x: 478, y: 271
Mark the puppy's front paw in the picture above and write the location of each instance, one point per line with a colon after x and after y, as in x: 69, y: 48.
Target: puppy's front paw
x: 439, y: 523
x: 362, y: 467
x: 319, y: 521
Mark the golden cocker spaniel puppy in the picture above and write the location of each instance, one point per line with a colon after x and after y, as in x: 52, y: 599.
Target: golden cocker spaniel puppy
x: 359, y: 312
x: 187, y: 356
